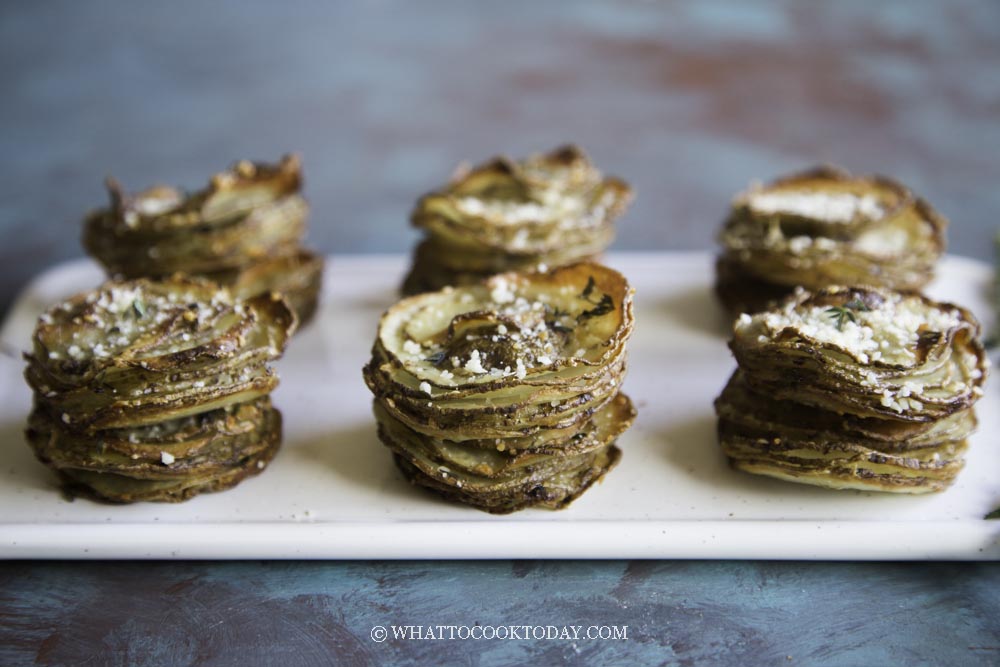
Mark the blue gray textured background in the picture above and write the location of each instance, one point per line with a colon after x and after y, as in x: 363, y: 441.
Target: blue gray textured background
x: 688, y: 101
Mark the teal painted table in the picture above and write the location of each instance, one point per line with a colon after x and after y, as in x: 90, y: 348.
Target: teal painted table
x: 674, y: 613
x: 688, y: 101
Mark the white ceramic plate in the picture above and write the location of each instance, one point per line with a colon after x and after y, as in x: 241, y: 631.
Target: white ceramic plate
x: 333, y: 492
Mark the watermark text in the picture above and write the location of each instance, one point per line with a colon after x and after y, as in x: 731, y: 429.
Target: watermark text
x: 381, y: 633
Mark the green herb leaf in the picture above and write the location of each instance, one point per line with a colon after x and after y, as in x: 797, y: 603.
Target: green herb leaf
x: 841, y: 314
x: 139, y: 308
x: 995, y: 514
x: 603, y: 307
x: 858, y: 305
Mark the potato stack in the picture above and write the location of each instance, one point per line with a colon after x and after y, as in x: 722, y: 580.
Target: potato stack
x: 156, y: 390
x: 505, y: 394
x: 825, y: 227
x: 854, y: 388
x: 547, y: 210
x: 243, y: 231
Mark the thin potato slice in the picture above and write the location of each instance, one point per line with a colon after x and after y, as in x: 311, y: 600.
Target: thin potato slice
x: 297, y: 275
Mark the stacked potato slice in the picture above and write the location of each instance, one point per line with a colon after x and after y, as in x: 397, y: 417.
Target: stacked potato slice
x: 505, y: 394
x: 854, y: 388
x: 156, y: 390
x: 825, y: 227
x: 551, y: 210
x: 243, y: 231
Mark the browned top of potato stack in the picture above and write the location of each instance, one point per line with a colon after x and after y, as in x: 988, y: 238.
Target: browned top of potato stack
x: 505, y: 394
x: 827, y: 227
x: 866, y: 351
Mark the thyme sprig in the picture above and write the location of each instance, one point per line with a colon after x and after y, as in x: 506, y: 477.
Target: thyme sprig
x: 845, y: 313
x: 602, y: 306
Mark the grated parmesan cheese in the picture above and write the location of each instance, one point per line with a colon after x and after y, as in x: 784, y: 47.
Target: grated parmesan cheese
x: 887, y: 333
x: 501, y: 291
x: 839, y: 207
x: 475, y: 363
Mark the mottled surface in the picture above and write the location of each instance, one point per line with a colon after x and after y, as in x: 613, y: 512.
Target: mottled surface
x: 324, y: 613
x: 688, y: 101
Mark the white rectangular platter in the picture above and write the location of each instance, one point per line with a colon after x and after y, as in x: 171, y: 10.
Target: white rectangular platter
x: 333, y: 492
